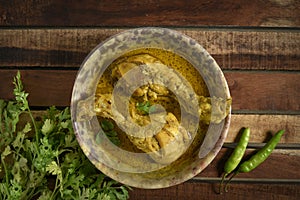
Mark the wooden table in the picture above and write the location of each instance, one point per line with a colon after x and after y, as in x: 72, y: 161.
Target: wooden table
x: 256, y: 43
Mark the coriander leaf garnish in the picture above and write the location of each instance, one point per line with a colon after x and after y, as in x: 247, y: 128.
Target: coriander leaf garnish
x: 143, y: 107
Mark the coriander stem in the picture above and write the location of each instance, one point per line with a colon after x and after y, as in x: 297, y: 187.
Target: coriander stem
x: 56, y: 184
x: 5, y: 169
x: 1, y: 110
x: 55, y: 189
x: 38, y: 182
x: 34, y: 124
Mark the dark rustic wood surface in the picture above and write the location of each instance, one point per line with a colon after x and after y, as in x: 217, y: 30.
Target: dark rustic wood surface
x: 150, y: 13
x: 256, y: 43
x: 207, y: 191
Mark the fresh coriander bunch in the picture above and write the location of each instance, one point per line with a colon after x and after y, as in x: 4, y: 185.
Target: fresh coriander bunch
x: 41, y: 159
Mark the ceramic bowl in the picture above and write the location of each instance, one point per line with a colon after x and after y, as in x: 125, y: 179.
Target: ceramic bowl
x: 117, y: 163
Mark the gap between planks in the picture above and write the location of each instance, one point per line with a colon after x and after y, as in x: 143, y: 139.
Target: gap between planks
x: 246, y: 180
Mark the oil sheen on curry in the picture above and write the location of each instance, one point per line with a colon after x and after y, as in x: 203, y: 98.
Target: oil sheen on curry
x: 171, y: 140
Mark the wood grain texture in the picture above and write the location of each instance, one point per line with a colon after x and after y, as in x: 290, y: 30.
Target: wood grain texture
x: 232, y: 48
x: 46, y: 87
x: 256, y: 42
x: 265, y: 171
x: 206, y: 191
x: 264, y: 91
x: 272, y: 13
x: 263, y: 126
x: 255, y: 91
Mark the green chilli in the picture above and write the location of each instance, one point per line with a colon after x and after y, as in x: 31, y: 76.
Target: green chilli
x: 262, y: 154
x: 259, y: 157
x: 236, y: 155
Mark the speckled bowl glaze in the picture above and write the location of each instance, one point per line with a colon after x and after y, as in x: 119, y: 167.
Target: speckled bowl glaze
x: 85, y: 121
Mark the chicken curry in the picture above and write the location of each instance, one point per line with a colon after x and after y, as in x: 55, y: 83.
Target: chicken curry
x: 170, y: 141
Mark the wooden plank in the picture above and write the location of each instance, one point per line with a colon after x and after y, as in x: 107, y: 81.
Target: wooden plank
x: 264, y: 91
x: 232, y: 48
x: 271, y: 13
x: 45, y: 87
x: 196, y: 191
x: 265, y: 171
x: 263, y: 126
x: 277, y: 92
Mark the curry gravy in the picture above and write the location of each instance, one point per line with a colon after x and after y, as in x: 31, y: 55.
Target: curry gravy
x: 186, y: 69
x: 182, y: 66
